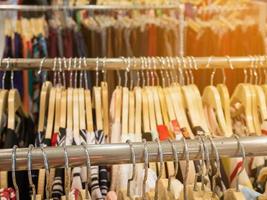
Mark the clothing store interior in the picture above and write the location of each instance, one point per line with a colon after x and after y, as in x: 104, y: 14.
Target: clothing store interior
x: 133, y: 99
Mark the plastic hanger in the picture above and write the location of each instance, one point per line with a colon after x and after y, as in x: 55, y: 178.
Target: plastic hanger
x: 211, y: 97
x: 88, y: 103
x: 235, y: 194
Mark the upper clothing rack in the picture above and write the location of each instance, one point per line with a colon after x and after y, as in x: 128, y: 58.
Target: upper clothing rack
x: 109, y: 154
x: 145, y: 63
x: 88, y: 7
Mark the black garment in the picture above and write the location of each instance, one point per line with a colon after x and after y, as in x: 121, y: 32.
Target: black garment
x: 22, y: 136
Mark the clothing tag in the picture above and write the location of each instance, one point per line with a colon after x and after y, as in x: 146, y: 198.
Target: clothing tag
x: 175, y: 126
x: 54, y: 139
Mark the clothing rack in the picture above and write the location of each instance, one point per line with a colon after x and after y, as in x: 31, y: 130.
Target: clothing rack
x: 110, y: 154
x: 134, y: 63
x: 30, y: 8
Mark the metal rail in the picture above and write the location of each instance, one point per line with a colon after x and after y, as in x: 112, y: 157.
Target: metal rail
x: 109, y: 154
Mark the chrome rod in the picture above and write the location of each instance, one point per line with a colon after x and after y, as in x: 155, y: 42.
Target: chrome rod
x: 109, y: 154
x: 29, y: 8
x: 119, y: 64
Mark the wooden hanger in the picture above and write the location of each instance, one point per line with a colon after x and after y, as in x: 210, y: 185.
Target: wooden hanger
x: 138, y: 112
x: 82, y: 125
x: 131, y: 112
x: 48, y: 135
x: 63, y: 109
x: 57, y: 109
x: 44, y: 97
x: 70, y: 109
x: 125, y: 109
x: 163, y: 105
x: 89, y: 114
x: 258, y: 110
x: 243, y: 95
x: 104, y: 93
x: 76, y: 113
x: 225, y: 99
x: 212, y: 98
x: 98, y: 107
x: 145, y: 109
x: 3, y: 103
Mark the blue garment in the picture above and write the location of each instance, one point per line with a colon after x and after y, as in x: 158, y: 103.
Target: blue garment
x: 249, y: 193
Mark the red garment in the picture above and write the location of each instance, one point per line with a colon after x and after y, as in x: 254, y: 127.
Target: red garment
x: 7, y: 194
x: 163, y: 132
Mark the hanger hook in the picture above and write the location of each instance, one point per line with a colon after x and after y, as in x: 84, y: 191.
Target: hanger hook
x: 54, y: 71
x: 4, y: 75
x: 255, y: 69
x: 71, y: 73
x: 60, y: 71
x: 174, y: 71
x: 180, y: 70
x: 207, y: 158
x: 64, y: 72
x: 242, y: 149
x: 142, y: 72
x: 67, y: 172
x: 133, y: 167
x: 104, y: 70
x: 97, y: 73
x: 147, y: 71
x: 185, y: 70
x: 176, y: 163
x: 14, y: 171
x: 131, y: 73
x: 149, y: 59
x: 189, y: 61
x: 217, y: 168
x: 160, y: 154
x: 200, y: 169
x: 146, y: 160
x: 46, y: 165
x: 137, y: 72
x: 81, y: 73
x: 186, y: 156
x: 75, y: 73
x: 85, y: 73
x: 41, y: 68
x: 260, y: 68
x: 155, y: 70
x: 29, y: 156
x: 11, y: 75
x: 88, y: 165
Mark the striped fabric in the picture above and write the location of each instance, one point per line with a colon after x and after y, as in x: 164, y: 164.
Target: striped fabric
x: 103, y: 173
x: 57, y: 186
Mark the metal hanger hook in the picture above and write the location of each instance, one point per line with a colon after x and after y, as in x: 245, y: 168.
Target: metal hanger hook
x: 97, y: 73
x: 46, y: 165
x: 160, y: 155
x: 146, y: 160
x: 88, y: 166
x: 14, y: 159
x: 176, y: 163
x: 29, y: 156
x: 133, y: 160
x: 41, y: 68
x: 242, y: 149
x: 85, y: 73
x: 104, y: 70
x: 185, y: 177
x: 67, y: 172
x: 54, y: 72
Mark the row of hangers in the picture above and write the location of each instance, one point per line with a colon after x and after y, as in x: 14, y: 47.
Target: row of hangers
x: 145, y: 104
